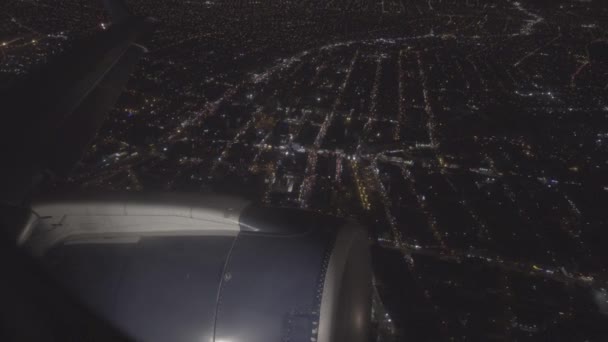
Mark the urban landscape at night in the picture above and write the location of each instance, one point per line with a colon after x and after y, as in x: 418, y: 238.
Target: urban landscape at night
x: 470, y: 136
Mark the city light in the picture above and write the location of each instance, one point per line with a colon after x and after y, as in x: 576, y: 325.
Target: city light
x: 470, y: 137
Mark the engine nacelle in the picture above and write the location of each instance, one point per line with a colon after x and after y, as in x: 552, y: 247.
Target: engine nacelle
x: 212, y: 268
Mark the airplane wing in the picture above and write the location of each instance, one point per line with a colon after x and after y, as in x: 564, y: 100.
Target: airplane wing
x: 51, y: 117
x: 47, y: 122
